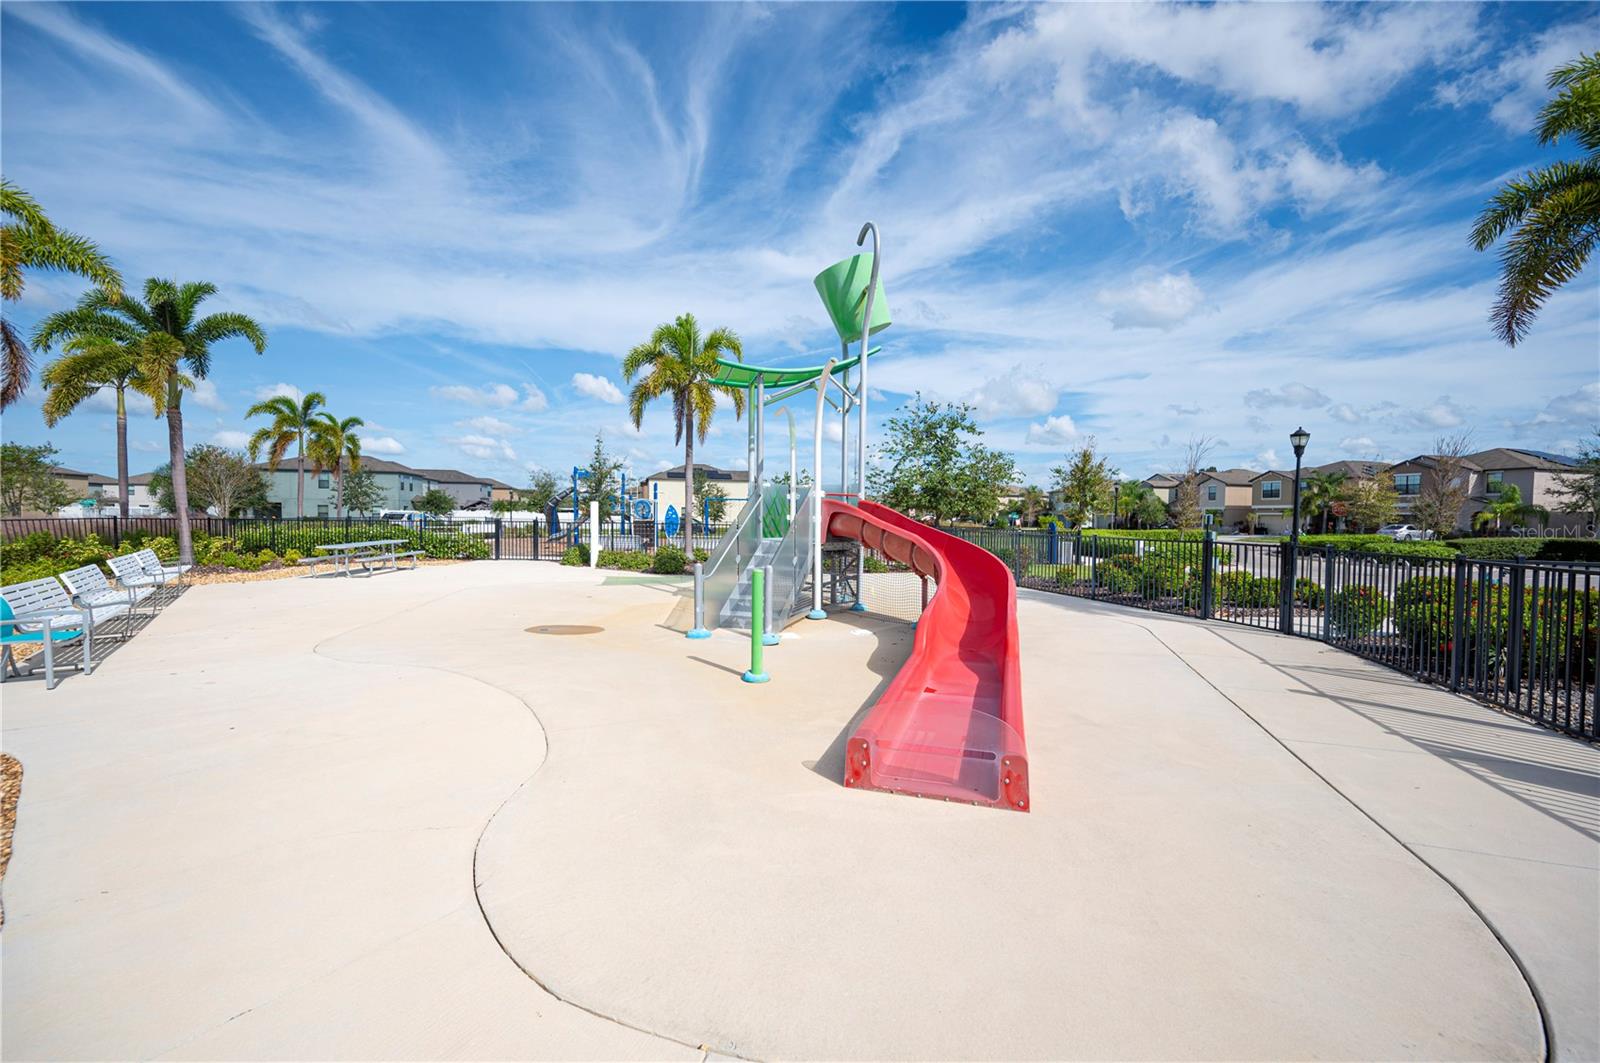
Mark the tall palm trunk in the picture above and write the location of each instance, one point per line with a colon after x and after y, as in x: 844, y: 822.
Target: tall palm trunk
x: 180, y: 478
x: 338, y: 488
x: 688, y: 488
x: 300, y: 479
x: 122, y: 452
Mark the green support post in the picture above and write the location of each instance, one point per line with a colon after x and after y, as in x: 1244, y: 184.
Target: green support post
x: 758, y: 600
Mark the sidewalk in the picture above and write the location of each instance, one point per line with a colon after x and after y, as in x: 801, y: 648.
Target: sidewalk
x: 1506, y: 811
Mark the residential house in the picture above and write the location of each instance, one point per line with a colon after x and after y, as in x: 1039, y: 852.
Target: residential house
x: 107, y: 502
x: 1163, y: 485
x: 502, y: 492
x: 665, y: 487
x: 1272, y: 494
x: 398, y: 486
x: 1225, y: 498
x: 1487, y: 473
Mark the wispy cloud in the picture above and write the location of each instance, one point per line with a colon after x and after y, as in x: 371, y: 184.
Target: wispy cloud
x: 596, y: 387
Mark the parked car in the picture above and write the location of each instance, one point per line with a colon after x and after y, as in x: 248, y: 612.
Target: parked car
x: 1405, y: 533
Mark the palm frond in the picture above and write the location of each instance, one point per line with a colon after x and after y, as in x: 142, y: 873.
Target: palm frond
x: 16, y: 366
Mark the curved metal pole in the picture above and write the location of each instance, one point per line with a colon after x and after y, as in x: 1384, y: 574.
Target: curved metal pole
x: 816, y: 498
x: 861, y: 426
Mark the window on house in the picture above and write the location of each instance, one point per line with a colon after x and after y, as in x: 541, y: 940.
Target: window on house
x: 1408, y: 483
x: 322, y: 511
x: 322, y: 479
x: 1494, y: 482
x: 1271, y: 489
x: 1211, y: 490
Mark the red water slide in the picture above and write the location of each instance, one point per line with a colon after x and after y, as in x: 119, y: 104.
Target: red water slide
x: 949, y: 725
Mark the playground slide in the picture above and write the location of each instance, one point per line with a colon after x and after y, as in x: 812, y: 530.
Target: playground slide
x: 949, y: 725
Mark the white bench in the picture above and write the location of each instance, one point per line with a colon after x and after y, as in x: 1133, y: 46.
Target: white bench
x: 41, y: 611
x: 153, y: 565
x: 91, y: 590
x: 131, y: 572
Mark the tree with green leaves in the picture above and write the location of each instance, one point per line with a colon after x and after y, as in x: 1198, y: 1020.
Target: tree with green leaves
x: 602, y: 484
x: 1508, y: 507
x: 434, y: 502
x: 932, y: 464
x: 713, y: 499
x: 90, y: 365
x: 1138, y: 506
x: 223, y: 480
x: 1321, y: 491
x: 677, y: 362
x: 1083, y: 484
x: 1579, y: 490
x: 1555, y: 209
x: 28, y: 240
x: 335, y: 446
x: 174, y: 348
x: 1033, y: 504
x: 292, y: 421
x: 362, y: 494
x: 27, y: 480
x: 1370, y: 502
x: 541, y: 490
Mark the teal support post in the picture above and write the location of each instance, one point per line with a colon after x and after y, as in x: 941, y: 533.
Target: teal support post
x: 758, y: 607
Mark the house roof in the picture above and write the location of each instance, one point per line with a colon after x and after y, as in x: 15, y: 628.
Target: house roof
x: 498, y: 486
x: 1352, y: 469
x: 451, y: 476
x: 1232, y: 477
x: 711, y: 471
x: 1163, y: 479
x: 1497, y: 458
x: 62, y: 470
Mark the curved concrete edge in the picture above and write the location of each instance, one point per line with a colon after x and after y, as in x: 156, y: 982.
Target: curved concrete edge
x: 642, y: 920
x: 1489, y: 809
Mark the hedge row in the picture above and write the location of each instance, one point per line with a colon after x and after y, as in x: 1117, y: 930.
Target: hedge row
x: 1512, y: 547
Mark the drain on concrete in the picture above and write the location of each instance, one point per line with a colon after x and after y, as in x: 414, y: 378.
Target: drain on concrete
x: 564, y: 629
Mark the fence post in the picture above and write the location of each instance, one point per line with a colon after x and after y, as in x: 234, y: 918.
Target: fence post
x: 1016, y: 556
x: 1514, y: 632
x: 1327, y: 592
x: 1054, y: 540
x: 1458, y: 624
x: 497, y: 538
x: 1287, y: 563
x: 1094, y: 568
x: 1208, y: 560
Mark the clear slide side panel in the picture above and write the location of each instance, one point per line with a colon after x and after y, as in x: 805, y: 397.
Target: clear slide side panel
x: 724, y: 569
x: 791, y: 563
x: 942, y: 747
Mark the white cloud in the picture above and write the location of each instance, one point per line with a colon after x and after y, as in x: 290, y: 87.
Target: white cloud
x: 1580, y: 407
x: 1315, y: 183
x: 478, y: 446
x: 494, y: 395
x: 273, y: 391
x: 225, y: 437
x: 1362, y: 445
x: 534, y: 400
x: 1443, y: 413
x: 205, y: 395
x: 1152, y: 300
x: 1516, y: 84
x: 1345, y: 412
x: 382, y: 445
x: 1021, y: 392
x: 489, y: 426
x: 596, y: 387
x: 832, y: 430
x: 1295, y: 396
x: 1267, y: 459
x: 1059, y: 429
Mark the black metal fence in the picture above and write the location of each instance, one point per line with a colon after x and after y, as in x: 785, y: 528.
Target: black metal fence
x: 1522, y: 635
x: 491, y: 537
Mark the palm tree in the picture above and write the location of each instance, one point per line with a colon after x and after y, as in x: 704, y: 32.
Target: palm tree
x: 1509, y: 506
x: 291, y: 423
x: 1032, y: 503
x: 28, y: 240
x: 1556, y: 209
x: 679, y: 362
x: 93, y: 364
x: 1320, y: 493
x: 170, y: 340
x: 332, y: 441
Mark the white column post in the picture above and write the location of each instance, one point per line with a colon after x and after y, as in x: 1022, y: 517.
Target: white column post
x: 816, y: 496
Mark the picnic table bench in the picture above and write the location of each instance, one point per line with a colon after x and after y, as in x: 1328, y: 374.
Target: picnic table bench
x: 369, y: 553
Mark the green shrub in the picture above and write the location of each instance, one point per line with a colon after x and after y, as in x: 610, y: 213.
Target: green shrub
x: 1508, y: 548
x: 1245, y: 591
x: 1308, y: 592
x: 1375, y: 545
x: 577, y: 554
x: 292, y: 556
x: 702, y: 555
x: 1357, y: 610
x: 874, y: 563
x: 1070, y: 575
x: 1570, y: 550
x: 628, y: 560
x: 1170, y: 534
x: 669, y: 561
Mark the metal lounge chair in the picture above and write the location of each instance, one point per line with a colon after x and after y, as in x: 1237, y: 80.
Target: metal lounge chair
x: 131, y: 572
x: 152, y: 564
x: 91, y: 590
x: 40, y: 612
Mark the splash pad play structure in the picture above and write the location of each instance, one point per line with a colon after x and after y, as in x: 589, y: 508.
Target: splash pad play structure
x: 949, y: 725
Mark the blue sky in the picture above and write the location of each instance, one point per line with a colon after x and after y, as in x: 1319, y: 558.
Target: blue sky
x: 1133, y: 222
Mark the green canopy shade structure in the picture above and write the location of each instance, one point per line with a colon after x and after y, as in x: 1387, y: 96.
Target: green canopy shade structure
x: 744, y: 375
x: 843, y: 287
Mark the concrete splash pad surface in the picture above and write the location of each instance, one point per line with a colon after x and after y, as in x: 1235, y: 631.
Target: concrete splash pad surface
x: 674, y: 852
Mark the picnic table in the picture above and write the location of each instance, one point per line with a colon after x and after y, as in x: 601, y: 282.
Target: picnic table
x: 367, y: 553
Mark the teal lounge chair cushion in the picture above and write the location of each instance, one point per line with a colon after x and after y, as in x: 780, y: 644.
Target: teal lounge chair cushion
x: 9, y: 633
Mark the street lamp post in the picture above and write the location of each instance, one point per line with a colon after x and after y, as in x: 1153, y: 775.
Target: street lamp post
x: 1298, y: 440
x: 1116, y: 508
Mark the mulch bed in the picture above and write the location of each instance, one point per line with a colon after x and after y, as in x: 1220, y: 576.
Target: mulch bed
x: 10, y: 790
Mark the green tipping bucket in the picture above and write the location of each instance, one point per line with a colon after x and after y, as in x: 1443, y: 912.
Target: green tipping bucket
x: 843, y: 287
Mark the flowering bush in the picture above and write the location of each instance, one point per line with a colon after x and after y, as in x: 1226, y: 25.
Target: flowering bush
x: 1357, y: 611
